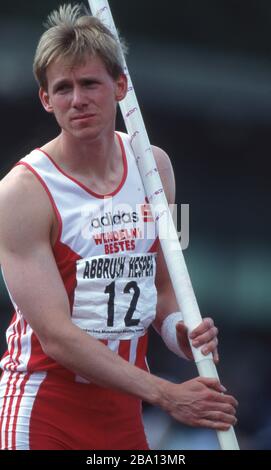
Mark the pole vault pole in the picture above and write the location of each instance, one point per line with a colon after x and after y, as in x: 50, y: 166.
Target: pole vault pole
x: 170, y: 243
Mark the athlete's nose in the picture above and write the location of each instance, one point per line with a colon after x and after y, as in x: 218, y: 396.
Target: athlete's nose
x: 79, y: 98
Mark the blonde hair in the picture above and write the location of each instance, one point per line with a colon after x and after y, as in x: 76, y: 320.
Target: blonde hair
x: 73, y: 34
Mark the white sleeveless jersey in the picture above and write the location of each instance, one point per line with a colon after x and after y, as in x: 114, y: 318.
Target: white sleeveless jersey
x: 105, y: 253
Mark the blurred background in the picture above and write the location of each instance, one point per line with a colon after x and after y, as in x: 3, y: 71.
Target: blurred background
x: 202, y: 73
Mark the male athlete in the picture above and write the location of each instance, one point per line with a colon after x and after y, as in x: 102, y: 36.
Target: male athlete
x: 85, y: 280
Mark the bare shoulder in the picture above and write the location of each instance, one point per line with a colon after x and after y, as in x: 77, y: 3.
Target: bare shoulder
x: 24, y: 207
x: 166, y: 172
x: 161, y: 157
x: 21, y: 190
x: 19, y: 180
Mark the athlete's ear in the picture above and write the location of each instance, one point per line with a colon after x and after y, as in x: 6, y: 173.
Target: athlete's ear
x: 121, y: 87
x: 45, y: 100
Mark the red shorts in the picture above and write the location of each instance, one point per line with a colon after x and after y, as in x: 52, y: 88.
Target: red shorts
x: 51, y: 411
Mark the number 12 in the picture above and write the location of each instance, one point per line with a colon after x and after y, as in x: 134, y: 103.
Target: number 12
x: 128, y: 320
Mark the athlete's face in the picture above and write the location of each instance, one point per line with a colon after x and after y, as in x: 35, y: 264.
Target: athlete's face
x: 83, y: 97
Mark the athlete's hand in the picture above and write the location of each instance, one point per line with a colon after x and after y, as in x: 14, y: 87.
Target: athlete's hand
x: 200, y: 402
x: 204, y: 337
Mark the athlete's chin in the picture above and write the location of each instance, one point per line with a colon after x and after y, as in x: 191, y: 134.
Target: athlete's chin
x: 85, y: 133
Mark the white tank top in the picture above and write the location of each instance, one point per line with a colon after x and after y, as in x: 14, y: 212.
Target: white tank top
x: 105, y: 253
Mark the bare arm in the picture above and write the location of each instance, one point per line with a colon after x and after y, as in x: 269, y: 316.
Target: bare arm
x: 166, y: 302
x: 37, y: 288
x: 205, y: 335
x: 33, y: 279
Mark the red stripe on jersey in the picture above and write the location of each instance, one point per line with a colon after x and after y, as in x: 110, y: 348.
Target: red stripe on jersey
x: 11, y: 340
x: 18, y: 344
x: 154, y: 247
x: 30, y: 168
x: 83, y: 186
x: 25, y: 326
x: 66, y: 262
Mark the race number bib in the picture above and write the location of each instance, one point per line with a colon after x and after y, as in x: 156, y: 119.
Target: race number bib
x: 115, y: 297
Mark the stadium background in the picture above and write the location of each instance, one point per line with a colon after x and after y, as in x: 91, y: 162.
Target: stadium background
x: 202, y: 73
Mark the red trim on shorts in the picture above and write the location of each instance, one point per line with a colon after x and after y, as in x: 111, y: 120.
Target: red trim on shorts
x: 11, y: 398
x: 2, y: 444
x: 7, y: 404
x: 17, y: 407
x: 7, y: 407
x: 76, y: 416
x: 124, y: 349
x: 141, y: 353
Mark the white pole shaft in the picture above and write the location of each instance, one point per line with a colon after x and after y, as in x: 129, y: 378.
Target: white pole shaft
x: 170, y: 244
